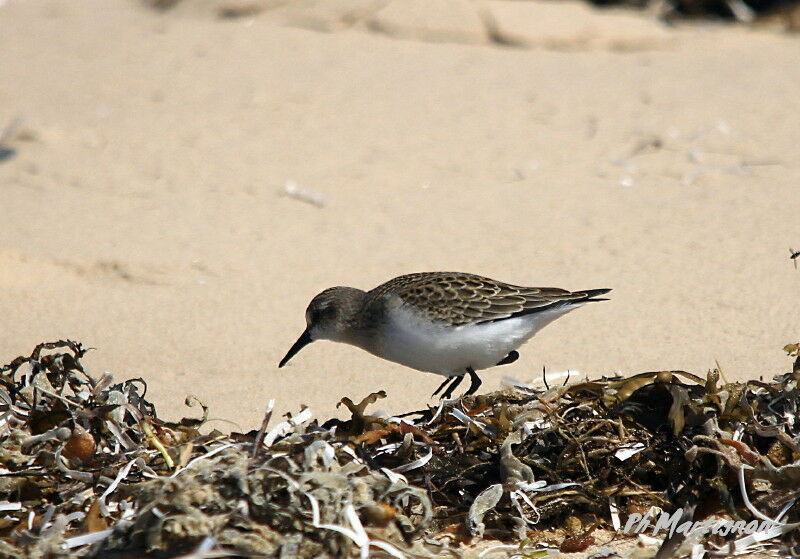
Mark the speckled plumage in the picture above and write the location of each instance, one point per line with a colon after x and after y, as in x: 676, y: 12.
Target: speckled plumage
x: 459, y: 298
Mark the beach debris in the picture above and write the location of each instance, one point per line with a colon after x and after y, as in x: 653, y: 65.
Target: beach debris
x: 6, y: 135
x: 794, y: 255
x: 294, y: 190
x: 233, y: 10
x: 90, y: 470
x: 459, y: 22
x: 627, y: 181
x: 482, y: 504
x: 690, y: 156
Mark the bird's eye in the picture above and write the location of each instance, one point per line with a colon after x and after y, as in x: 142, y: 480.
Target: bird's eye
x: 329, y: 312
x: 322, y: 313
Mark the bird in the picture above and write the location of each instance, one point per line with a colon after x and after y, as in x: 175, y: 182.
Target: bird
x: 448, y: 323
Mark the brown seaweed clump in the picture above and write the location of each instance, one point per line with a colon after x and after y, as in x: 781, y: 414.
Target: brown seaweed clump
x: 89, y: 470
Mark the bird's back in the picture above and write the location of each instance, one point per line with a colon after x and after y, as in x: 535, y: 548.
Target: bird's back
x: 458, y: 299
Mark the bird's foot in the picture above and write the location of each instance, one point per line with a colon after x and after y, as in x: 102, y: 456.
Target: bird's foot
x: 475, y: 382
x: 453, y: 382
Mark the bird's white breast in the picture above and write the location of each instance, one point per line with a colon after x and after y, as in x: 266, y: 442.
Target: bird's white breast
x: 410, y: 338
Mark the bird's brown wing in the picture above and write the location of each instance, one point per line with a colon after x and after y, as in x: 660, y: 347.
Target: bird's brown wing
x: 458, y: 299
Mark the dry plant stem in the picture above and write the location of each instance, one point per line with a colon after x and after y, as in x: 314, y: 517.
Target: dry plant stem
x: 153, y: 440
x: 350, y: 487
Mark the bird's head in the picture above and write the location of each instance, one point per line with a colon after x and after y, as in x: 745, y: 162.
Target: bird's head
x: 329, y: 316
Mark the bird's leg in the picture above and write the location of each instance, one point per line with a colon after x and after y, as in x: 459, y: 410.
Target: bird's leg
x: 446, y: 380
x: 449, y: 390
x: 475, y: 382
x: 448, y: 393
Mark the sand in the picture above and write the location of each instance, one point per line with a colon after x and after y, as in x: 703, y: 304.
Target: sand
x: 142, y: 209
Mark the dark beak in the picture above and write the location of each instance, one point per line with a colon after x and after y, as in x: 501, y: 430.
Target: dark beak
x: 302, y: 341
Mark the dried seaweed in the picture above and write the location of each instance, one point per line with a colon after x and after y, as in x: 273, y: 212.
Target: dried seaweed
x: 89, y: 470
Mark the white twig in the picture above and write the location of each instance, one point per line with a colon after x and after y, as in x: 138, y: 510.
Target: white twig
x: 614, y: 510
x: 205, y: 456
x: 294, y: 190
x: 757, y: 513
x: 285, y: 427
x: 464, y: 418
x: 87, y: 539
x: 418, y: 463
x: 122, y: 474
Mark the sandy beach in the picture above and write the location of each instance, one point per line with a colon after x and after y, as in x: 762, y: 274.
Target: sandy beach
x: 145, y: 207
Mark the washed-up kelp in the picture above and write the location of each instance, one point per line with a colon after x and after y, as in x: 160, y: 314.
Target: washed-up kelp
x: 89, y: 470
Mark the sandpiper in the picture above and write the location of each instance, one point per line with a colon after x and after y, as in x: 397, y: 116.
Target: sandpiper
x: 447, y: 323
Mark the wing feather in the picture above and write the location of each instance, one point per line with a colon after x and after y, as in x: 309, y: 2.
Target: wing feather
x: 460, y: 299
